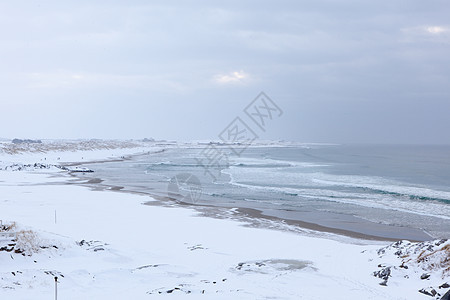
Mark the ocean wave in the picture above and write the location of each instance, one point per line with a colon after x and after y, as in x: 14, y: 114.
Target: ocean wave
x: 242, y: 162
x: 169, y: 164
x: 381, y: 197
x: 388, y: 187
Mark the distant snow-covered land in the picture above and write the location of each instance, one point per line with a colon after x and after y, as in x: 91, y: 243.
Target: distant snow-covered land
x: 107, y: 245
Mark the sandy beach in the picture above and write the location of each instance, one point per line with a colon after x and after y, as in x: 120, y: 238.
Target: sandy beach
x: 102, y: 243
x: 342, y: 225
x: 261, y: 219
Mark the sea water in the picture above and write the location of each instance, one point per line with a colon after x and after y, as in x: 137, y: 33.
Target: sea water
x: 339, y: 186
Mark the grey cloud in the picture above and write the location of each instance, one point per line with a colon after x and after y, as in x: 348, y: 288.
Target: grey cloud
x: 330, y: 64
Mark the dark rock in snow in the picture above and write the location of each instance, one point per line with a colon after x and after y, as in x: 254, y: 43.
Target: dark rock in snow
x: 444, y: 286
x: 428, y: 291
x: 383, y: 273
x: 430, y: 257
x: 440, y: 242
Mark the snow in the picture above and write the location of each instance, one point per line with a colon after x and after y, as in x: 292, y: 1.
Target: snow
x: 108, y: 245
x: 58, y: 152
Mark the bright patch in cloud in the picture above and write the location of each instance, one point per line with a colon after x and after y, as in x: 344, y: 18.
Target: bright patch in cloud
x: 436, y: 29
x: 77, y: 76
x: 426, y: 33
x: 233, y: 77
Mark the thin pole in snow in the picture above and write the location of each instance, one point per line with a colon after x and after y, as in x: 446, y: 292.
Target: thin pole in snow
x: 56, y: 288
x: 55, y: 216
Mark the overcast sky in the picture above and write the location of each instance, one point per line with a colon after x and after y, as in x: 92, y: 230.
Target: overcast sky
x: 343, y: 71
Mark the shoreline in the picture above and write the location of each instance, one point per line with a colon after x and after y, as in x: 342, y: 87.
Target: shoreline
x: 253, y: 216
x: 258, y: 217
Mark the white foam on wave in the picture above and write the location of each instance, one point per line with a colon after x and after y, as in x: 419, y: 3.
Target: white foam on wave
x: 270, y: 163
x: 429, y: 208
x: 383, y: 193
x: 383, y: 185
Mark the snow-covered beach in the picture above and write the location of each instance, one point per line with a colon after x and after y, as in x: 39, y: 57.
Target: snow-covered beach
x: 102, y: 244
